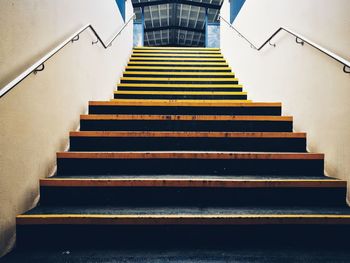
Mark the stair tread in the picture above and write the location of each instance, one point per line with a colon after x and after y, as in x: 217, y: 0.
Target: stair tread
x: 220, y: 59
x: 192, y: 155
x: 172, y: 63
x: 180, y: 79
x: 194, y: 254
x: 199, y: 93
x: 184, y: 117
x: 193, y: 181
x: 188, y: 134
x: 179, y: 73
x: 189, y: 211
x: 179, y: 68
x: 140, y: 54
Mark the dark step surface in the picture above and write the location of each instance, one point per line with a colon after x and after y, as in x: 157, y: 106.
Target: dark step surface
x: 186, y: 123
x: 183, y: 107
x: 179, y: 95
x: 268, y: 213
x: 186, y: 141
x: 136, y: 68
x: 175, y: 80
x: 154, y: 74
x: 65, y: 254
x: 170, y: 59
x: 178, y: 64
x: 190, y: 190
x: 206, y: 88
x: 182, y: 226
x: 191, y: 163
x: 176, y: 56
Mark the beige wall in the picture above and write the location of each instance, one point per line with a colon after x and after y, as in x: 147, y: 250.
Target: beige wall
x: 37, y: 115
x: 311, y: 86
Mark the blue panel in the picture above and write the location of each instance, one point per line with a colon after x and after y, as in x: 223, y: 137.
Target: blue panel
x: 121, y: 5
x: 235, y: 7
x: 138, y: 34
x: 213, y: 35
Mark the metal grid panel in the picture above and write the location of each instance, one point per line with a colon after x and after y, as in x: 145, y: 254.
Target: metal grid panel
x: 176, y: 23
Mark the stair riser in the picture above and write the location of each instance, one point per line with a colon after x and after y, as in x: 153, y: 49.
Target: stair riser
x: 177, y: 196
x: 141, y: 81
x: 168, y: 59
x: 161, y: 125
x: 180, y: 97
x: 177, y: 56
x: 187, y: 144
x: 173, y: 64
x: 99, y: 166
x: 141, y: 88
x: 185, y: 110
x: 202, y: 75
x: 89, y: 236
x: 174, y: 53
x: 174, y: 69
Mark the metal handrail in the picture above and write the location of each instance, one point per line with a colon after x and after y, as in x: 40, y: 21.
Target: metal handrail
x: 39, y: 65
x: 299, y: 39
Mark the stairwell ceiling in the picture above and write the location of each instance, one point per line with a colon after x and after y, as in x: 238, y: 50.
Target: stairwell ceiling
x: 176, y: 23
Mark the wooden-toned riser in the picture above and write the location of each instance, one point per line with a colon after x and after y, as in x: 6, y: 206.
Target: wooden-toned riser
x: 169, y: 142
x: 144, y: 107
x: 97, y: 124
x: 187, y: 196
x: 126, y: 236
x: 156, y: 166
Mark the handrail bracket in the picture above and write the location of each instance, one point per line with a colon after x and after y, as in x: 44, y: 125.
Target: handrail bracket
x: 345, y: 69
x: 76, y: 38
x: 40, y: 68
x: 299, y: 41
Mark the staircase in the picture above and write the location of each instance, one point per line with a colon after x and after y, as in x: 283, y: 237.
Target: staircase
x: 181, y: 158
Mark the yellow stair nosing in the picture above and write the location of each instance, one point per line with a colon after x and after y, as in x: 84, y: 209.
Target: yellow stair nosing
x: 178, y: 73
x: 176, y: 48
x: 177, y: 55
x: 176, y: 59
x: 182, y: 219
x: 179, y: 79
x: 197, y: 93
x: 192, y: 182
x: 198, y: 69
x: 165, y: 85
x: 177, y: 63
x: 191, y: 155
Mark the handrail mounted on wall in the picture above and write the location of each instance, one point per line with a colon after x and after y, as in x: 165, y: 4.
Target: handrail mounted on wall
x: 299, y: 39
x: 39, y: 65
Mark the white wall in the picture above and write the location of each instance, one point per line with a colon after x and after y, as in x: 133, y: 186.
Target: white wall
x: 311, y: 86
x: 36, y: 116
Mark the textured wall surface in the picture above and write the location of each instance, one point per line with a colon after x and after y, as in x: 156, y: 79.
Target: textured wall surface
x: 311, y: 86
x: 36, y: 116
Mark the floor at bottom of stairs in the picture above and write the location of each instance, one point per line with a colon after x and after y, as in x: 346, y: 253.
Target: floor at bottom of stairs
x: 255, y: 255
